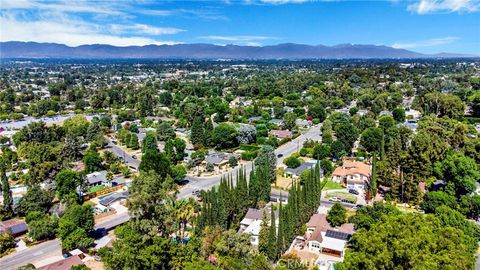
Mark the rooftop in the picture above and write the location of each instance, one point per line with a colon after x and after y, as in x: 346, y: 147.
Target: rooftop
x: 15, y: 226
x: 65, y: 264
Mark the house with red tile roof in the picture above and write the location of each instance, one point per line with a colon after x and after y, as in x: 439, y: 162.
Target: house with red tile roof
x: 353, y: 174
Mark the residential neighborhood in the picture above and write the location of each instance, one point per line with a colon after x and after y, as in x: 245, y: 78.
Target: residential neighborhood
x: 156, y: 135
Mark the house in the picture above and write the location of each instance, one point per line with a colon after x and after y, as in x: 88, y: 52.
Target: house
x: 252, y: 222
x: 113, y: 197
x: 252, y: 120
x: 296, y: 172
x: 277, y: 122
x: 322, y: 238
x: 65, y: 264
x: 354, y: 174
x: 251, y: 216
x: 385, y: 113
x: 411, y: 124
x: 97, y: 178
x: 362, y: 112
x: 13, y: 226
x: 413, y: 114
x: 281, y: 134
x: 219, y: 159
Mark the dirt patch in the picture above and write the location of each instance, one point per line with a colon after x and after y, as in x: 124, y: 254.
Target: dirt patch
x: 284, y: 182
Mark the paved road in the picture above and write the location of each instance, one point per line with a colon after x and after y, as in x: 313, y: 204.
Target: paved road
x: 119, y: 152
x: 296, y: 144
x: 39, y: 252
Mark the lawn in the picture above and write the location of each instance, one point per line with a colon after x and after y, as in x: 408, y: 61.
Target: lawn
x: 97, y: 188
x: 332, y: 185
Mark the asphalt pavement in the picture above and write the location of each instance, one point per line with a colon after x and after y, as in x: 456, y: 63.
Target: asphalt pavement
x: 36, y: 253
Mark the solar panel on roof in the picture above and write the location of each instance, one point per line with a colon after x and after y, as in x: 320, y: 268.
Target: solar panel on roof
x: 337, y: 235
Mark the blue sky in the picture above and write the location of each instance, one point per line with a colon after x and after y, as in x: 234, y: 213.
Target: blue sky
x: 428, y: 26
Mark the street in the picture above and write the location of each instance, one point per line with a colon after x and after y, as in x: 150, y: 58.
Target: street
x: 36, y: 253
x: 296, y: 144
x: 120, y: 153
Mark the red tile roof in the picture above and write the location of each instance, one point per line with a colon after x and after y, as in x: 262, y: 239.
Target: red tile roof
x: 65, y: 264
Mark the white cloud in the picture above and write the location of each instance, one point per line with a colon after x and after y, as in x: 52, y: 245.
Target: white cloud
x: 72, y: 6
x: 238, y: 38
x: 65, y: 30
x: 145, y: 29
x: 425, y: 43
x: 206, y: 14
x: 447, y: 6
x: 76, y: 22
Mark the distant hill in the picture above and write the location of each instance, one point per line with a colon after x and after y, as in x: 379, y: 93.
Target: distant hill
x: 16, y: 49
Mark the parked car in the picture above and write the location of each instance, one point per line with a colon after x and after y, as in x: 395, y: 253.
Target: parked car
x: 334, y: 199
x: 134, y: 157
x: 279, y: 155
x: 114, y: 142
x: 353, y: 191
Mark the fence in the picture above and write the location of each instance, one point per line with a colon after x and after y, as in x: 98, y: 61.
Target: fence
x: 104, y: 191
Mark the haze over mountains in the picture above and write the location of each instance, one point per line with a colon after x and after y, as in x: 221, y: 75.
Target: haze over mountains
x: 16, y: 49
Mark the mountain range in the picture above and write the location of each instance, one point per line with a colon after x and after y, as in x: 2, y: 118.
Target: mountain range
x: 17, y: 49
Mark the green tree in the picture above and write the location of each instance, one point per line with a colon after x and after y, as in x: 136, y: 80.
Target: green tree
x: 155, y: 161
x: 289, y: 120
x: 6, y: 192
x: 272, y: 252
x: 371, y: 139
x: 316, y: 110
x: 42, y: 228
x: 197, y: 132
x: 149, y: 142
x: 92, y: 161
x: 399, y: 115
x: 233, y: 161
x: 165, y: 131
x: 434, y: 199
x: 224, y: 136
x: 321, y: 151
x: 432, y: 246
x: 74, y: 226
x: 337, y: 215
x: 133, y: 250
x: 292, y: 162
x: 6, y: 242
x: 266, y: 158
x: 460, y: 172
x: 67, y: 182
x: 36, y: 199
x: 148, y: 194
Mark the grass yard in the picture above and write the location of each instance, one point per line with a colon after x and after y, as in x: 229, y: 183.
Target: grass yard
x: 332, y: 185
x: 97, y: 188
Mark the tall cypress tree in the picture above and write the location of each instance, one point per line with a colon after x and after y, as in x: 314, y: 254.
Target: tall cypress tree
x: 7, y: 193
x: 208, y: 134
x: 373, y: 177
x: 382, y: 148
x: 253, y: 188
x: 197, y: 133
x: 281, y: 225
x: 272, y: 237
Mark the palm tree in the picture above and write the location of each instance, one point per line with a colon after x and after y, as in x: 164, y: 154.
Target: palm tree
x: 184, y: 211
